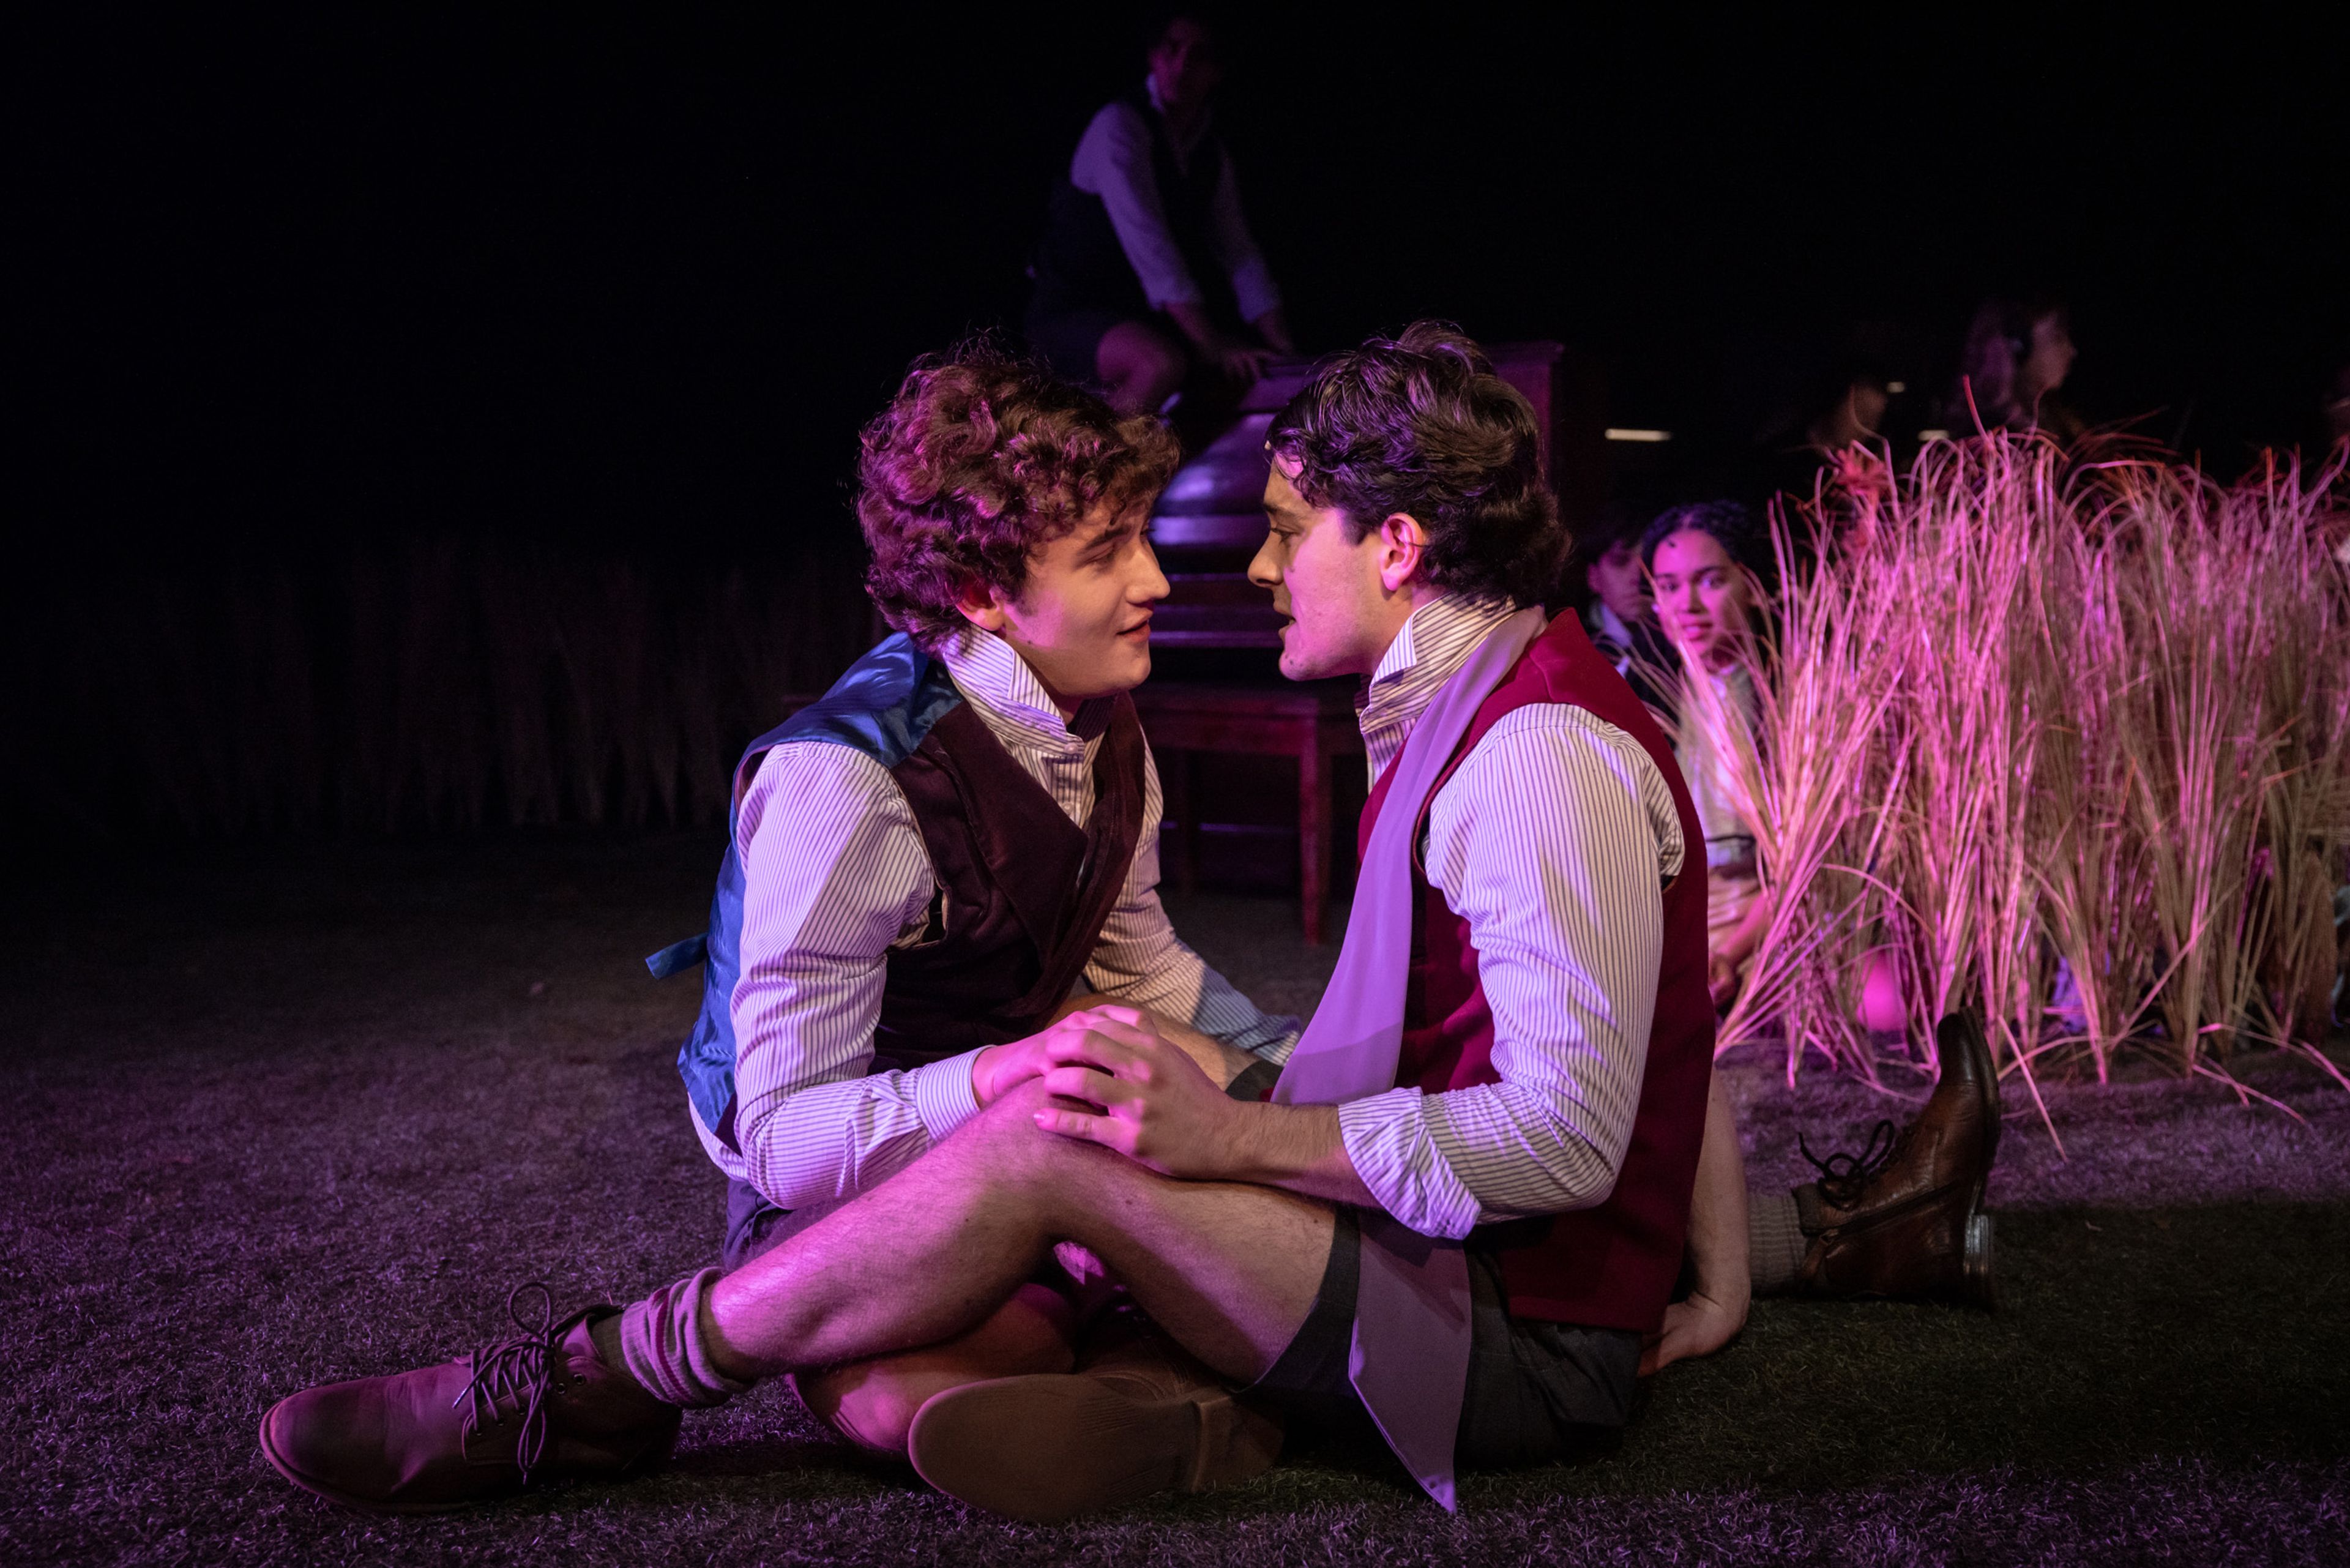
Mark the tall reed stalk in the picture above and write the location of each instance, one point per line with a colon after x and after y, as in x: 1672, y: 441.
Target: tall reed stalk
x: 2066, y: 743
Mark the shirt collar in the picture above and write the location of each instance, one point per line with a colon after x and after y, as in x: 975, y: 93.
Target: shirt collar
x: 990, y: 673
x: 1435, y: 642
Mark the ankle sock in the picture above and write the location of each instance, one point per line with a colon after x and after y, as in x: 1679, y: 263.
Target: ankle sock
x: 659, y: 1341
x: 1776, y: 1242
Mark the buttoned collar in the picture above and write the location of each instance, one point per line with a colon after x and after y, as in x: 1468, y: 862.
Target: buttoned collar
x: 994, y: 678
x: 1435, y: 642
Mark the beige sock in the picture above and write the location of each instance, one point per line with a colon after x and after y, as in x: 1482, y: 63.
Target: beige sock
x: 1776, y: 1242
x: 659, y: 1342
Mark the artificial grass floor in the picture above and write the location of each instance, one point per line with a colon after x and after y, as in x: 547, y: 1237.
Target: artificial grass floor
x: 298, y: 1113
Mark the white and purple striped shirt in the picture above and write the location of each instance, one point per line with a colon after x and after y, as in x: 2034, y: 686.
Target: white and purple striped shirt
x: 1553, y: 840
x: 835, y: 875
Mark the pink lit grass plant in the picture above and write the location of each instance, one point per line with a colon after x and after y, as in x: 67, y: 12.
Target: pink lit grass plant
x: 2015, y: 710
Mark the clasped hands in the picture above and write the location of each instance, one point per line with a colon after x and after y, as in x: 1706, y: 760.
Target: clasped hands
x: 1118, y: 1082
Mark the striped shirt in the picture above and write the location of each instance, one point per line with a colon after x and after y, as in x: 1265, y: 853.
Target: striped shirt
x: 1553, y: 840
x: 835, y: 874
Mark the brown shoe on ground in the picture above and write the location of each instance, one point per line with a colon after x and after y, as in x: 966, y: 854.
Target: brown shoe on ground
x: 1905, y: 1216
x: 1138, y: 1419
x: 538, y: 1407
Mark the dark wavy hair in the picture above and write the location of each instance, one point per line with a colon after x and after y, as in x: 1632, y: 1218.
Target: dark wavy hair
x: 978, y: 462
x: 1731, y: 524
x: 1420, y: 425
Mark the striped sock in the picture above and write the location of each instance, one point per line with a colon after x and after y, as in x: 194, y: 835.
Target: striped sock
x: 659, y: 1341
x: 1776, y: 1242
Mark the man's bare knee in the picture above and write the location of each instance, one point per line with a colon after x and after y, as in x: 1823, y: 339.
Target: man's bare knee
x: 1166, y: 366
x: 1140, y: 364
x: 1009, y: 1129
x: 1020, y: 1168
x: 1009, y: 1125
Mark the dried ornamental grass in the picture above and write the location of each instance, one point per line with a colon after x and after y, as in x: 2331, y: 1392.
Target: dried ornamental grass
x: 433, y: 685
x: 2026, y: 712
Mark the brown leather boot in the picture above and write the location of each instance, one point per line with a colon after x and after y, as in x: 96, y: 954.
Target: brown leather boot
x: 540, y: 1405
x: 1905, y: 1216
x: 1138, y: 1417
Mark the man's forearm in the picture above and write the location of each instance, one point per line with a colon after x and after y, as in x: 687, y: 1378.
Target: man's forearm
x: 1297, y: 1148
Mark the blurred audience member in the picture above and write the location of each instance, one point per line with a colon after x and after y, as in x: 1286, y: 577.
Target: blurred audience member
x: 2337, y: 406
x: 1705, y: 597
x: 1846, y: 408
x: 1855, y: 414
x: 2016, y: 359
x: 2333, y: 430
x: 1619, y: 616
x: 1147, y: 269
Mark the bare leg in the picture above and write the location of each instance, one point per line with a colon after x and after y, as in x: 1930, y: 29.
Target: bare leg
x: 928, y: 1268
x: 1229, y: 1270
x: 1140, y: 365
x: 1716, y: 1308
x: 872, y: 1403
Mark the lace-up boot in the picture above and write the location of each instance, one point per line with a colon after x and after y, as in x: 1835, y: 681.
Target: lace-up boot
x: 537, y: 1406
x: 1140, y: 1416
x: 1905, y: 1216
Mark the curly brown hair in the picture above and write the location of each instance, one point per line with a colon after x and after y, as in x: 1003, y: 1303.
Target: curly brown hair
x: 1420, y: 425
x: 978, y: 462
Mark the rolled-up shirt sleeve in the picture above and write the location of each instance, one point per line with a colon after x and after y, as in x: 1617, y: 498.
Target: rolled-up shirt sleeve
x: 834, y: 875
x: 1553, y: 840
x: 1139, y: 959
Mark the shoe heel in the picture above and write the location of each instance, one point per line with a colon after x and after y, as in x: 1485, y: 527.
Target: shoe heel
x: 1980, y: 1289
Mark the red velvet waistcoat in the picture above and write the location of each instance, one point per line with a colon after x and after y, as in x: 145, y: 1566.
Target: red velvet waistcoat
x: 1612, y: 1266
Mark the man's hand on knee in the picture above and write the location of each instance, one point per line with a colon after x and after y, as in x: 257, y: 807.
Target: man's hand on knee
x: 1143, y: 1097
x: 1221, y: 1063
x: 1000, y: 1069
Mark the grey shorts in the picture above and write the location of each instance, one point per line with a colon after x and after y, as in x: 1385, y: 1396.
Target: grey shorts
x: 1537, y: 1393
x: 755, y: 1226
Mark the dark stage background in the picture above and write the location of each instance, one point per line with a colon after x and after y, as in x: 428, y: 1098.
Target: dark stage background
x: 595, y: 296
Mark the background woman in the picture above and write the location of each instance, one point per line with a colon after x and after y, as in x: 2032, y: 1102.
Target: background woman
x: 1705, y: 597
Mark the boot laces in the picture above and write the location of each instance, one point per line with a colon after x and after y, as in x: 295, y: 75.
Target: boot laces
x: 519, y: 1371
x: 1845, y: 1176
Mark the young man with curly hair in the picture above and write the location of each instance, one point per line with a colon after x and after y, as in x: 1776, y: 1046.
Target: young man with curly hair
x: 921, y: 868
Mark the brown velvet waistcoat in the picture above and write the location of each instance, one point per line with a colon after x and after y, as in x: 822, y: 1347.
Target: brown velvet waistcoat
x: 1022, y: 892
